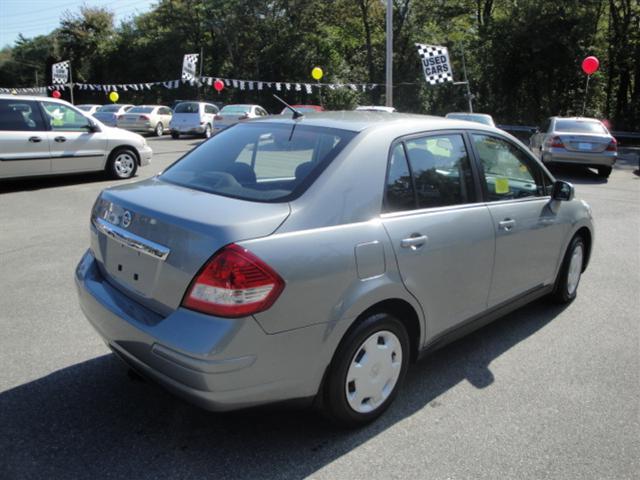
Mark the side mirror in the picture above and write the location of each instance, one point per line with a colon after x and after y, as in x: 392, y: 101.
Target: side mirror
x: 93, y: 127
x: 562, y: 191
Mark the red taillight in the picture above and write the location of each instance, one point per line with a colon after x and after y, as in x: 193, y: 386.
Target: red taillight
x: 234, y: 283
x: 613, y: 146
x: 143, y: 117
x: 218, y: 117
x: 556, y: 142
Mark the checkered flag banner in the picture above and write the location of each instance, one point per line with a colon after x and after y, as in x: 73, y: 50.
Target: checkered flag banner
x: 189, y: 66
x: 60, y: 72
x: 435, y: 63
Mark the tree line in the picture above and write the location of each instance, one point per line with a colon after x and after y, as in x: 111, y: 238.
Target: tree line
x: 522, y: 56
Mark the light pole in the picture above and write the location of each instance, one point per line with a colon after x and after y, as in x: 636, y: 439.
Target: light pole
x: 389, y: 65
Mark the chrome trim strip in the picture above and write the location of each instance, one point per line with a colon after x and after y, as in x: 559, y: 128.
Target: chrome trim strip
x: 132, y: 240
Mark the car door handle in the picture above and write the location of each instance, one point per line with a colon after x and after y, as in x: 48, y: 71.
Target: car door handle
x: 60, y: 139
x: 414, y: 242
x: 35, y: 139
x: 507, y: 224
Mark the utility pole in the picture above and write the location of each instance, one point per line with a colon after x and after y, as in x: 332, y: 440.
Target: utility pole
x: 71, y: 83
x: 466, y: 80
x: 200, y: 76
x: 389, y: 66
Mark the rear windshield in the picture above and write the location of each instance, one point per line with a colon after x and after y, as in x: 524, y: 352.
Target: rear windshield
x: 261, y: 162
x: 141, y: 110
x: 579, y: 126
x: 235, y: 109
x: 109, y: 108
x: 187, y: 107
x: 470, y: 118
x: 85, y: 108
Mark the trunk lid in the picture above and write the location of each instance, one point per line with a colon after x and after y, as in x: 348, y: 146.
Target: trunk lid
x: 587, y: 143
x: 134, y: 226
x: 190, y: 120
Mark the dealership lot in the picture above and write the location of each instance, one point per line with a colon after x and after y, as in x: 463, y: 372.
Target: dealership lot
x: 546, y: 392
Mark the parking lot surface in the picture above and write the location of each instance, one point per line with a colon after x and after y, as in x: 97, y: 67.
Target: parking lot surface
x: 547, y: 392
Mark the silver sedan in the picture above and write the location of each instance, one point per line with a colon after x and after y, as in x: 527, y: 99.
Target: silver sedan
x: 316, y: 258
x: 146, y: 119
x: 576, y: 141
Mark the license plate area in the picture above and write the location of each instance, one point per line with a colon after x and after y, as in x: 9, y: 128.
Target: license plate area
x: 584, y: 146
x: 135, y: 270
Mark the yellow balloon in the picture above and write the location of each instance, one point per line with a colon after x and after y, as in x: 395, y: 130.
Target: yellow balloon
x: 317, y: 73
x: 113, y: 96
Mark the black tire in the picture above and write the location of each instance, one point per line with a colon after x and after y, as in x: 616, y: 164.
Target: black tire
x: 159, y: 130
x: 564, y: 292
x: 207, y: 131
x: 604, y: 172
x: 175, y: 135
x: 335, y: 404
x: 122, y: 163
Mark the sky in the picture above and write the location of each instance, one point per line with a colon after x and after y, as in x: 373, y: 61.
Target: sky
x: 39, y: 17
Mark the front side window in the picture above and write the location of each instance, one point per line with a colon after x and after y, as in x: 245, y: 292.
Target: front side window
x: 259, y: 161
x: 508, y: 172
x: 20, y: 115
x: 61, y: 117
x: 441, y: 170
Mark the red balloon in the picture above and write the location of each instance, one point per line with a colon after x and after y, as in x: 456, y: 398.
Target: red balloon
x: 218, y: 85
x: 590, y: 65
x: 56, y: 94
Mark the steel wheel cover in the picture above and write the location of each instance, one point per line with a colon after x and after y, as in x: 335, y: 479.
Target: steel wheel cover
x: 374, y: 371
x: 575, y: 269
x: 124, y: 164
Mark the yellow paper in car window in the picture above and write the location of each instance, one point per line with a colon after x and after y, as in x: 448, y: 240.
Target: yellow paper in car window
x: 502, y: 185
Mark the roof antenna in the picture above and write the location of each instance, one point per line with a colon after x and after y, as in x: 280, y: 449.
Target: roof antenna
x: 296, y: 113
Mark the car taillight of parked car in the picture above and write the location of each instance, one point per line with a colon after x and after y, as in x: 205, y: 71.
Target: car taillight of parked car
x: 613, y: 146
x: 218, y: 117
x: 556, y: 142
x: 233, y: 283
x: 143, y: 117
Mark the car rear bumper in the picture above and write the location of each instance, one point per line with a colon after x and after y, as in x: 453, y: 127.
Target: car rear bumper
x: 557, y: 155
x: 137, y: 128
x: 188, y: 129
x: 217, y: 363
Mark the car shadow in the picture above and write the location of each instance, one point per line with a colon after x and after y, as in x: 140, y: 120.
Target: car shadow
x: 40, y: 183
x: 91, y: 419
x: 577, y: 174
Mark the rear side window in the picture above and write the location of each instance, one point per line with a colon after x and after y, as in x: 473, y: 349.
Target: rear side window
x: 20, y: 115
x: 210, y: 109
x: 441, y: 170
x: 187, y: 107
x: 259, y: 161
x: 399, y: 194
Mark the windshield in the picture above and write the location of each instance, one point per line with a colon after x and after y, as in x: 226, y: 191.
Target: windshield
x: 579, y: 126
x: 187, y: 107
x: 109, y: 108
x: 261, y: 162
x: 236, y: 109
x: 141, y: 110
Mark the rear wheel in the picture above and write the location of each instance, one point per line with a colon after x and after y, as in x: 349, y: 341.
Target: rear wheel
x: 159, y: 130
x: 123, y: 163
x: 367, y: 370
x: 566, y: 287
x: 207, y: 131
x: 175, y: 135
x: 604, y: 172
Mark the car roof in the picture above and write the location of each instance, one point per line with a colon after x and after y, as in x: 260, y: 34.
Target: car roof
x: 358, y: 121
x: 469, y: 113
x: 578, y: 119
x: 8, y: 96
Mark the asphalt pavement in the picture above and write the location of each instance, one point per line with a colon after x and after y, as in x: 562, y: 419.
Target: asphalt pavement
x: 547, y: 392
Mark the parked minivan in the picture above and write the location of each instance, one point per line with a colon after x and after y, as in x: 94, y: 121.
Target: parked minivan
x: 193, y: 118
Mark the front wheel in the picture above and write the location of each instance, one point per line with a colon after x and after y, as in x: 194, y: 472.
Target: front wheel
x: 604, y: 172
x: 122, y: 164
x: 367, y: 370
x: 566, y: 287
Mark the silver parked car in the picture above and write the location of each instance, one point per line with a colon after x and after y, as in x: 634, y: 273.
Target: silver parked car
x: 193, y: 118
x: 316, y: 258
x: 146, y: 119
x: 44, y: 136
x: 483, y: 118
x: 576, y: 141
x: 89, y: 109
x: 108, y: 114
x: 232, y: 114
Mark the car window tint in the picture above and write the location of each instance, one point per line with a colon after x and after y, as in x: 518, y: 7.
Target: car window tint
x: 61, y: 117
x: 441, y: 170
x: 508, y: 172
x: 259, y: 161
x: 20, y: 115
x: 399, y: 193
